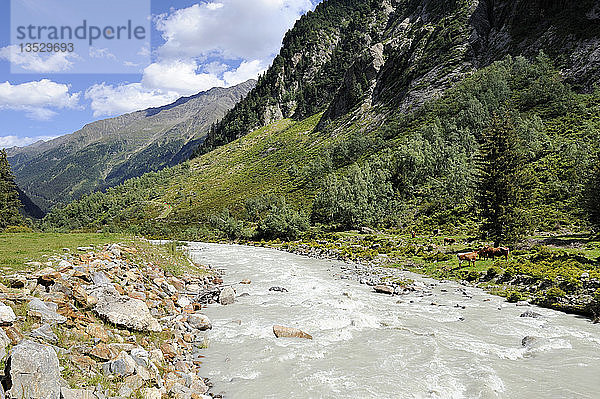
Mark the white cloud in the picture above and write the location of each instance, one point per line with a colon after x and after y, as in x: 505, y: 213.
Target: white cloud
x: 109, y: 100
x: 15, y: 141
x: 247, y: 31
x: 179, y: 76
x: 34, y: 62
x: 37, y: 98
x: 96, y: 52
x: 233, y: 29
x: 246, y: 71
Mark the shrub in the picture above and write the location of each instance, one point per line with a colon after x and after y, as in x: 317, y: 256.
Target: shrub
x: 514, y: 296
x: 18, y: 229
x: 275, y: 218
x: 228, y: 225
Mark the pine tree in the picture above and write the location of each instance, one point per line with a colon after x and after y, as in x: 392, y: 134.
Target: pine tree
x: 9, y: 197
x: 503, y: 182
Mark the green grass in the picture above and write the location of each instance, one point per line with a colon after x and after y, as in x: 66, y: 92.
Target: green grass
x: 16, y: 249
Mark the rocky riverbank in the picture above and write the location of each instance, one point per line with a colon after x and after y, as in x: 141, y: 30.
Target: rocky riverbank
x: 538, y: 275
x: 104, y: 323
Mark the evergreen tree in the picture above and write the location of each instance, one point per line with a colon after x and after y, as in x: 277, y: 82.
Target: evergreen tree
x: 503, y: 182
x: 9, y: 196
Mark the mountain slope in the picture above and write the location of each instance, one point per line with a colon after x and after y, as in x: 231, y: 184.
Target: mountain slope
x: 399, y: 140
x: 418, y: 169
x: 349, y: 55
x: 108, y: 152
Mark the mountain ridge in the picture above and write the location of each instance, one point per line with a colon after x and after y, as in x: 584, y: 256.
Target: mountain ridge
x: 107, y: 152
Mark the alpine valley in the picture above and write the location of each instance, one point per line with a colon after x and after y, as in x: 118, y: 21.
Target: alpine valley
x: 439, y: 161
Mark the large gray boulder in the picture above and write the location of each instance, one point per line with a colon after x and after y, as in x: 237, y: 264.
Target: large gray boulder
x: 33, y: 372
x: 37, y: 308
x: 127, y: 312
x: 199, y: 322
x: 227, y: 296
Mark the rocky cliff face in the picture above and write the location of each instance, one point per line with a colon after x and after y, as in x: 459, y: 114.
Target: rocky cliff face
x: 107, y: 152
x: 349, y: 56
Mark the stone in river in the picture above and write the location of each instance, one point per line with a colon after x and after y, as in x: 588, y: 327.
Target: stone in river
x: 288, y: 332
x: 384, y: 289
x: 227, y: 296
x: 530, y: 313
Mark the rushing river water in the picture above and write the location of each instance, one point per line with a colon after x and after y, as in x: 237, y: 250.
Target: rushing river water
x: 369, y: 345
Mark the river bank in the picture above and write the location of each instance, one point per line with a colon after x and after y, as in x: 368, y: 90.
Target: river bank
x: 106, y: 320
x: 560, y: 274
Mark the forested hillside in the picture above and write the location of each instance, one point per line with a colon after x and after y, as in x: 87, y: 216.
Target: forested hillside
x: 351, y: 56
x: 515, y: 125
x: 107, y: 152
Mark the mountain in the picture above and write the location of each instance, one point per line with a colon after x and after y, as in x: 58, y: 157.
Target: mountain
x: 352, y: 55
x: 107, y: 152
x: 388, y: 113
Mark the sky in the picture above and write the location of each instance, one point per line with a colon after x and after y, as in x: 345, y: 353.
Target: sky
x: 192, y: 46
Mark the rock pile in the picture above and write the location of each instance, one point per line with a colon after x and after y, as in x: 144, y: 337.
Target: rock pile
x: 97, y: 324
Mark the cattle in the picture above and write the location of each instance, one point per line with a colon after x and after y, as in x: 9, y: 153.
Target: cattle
x: 449, y: 241
x: 413, y: 234
x: 470, y: 257
x: 488, y: 252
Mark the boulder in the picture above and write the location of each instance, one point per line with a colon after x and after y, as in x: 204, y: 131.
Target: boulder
x: 7, y: 315
x: 45, y: 333
x: 127, y: 312
x: 384, y: 289
x: 530, y: 313
x: 288, y: 332
x: 37, y: 308
x: 33, y: 372
x: 199, y: 322
x: 122, y: 366
x: 528, y: 341
x: 227, y: 296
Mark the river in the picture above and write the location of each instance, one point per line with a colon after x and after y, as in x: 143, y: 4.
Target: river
x: 441, y: 341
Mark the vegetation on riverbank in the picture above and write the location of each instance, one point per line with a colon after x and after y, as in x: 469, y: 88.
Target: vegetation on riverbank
x: 31, y: 250
x: 560, y: 272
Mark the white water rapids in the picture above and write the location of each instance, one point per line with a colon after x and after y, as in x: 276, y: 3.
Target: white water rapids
x: 369, y: 345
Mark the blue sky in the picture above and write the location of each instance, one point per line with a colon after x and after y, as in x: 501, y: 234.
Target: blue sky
x: 195, y: 45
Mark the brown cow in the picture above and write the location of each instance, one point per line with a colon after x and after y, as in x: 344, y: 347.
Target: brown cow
x: 488, y: 252
x: 470, y: 257
x: 449, y: 241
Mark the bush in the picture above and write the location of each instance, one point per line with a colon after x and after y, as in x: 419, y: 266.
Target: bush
x: 552, y: 295
x: 282, y: 222
x: 18, y: 229
x: 514, y: 296
x: 228, y: 225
